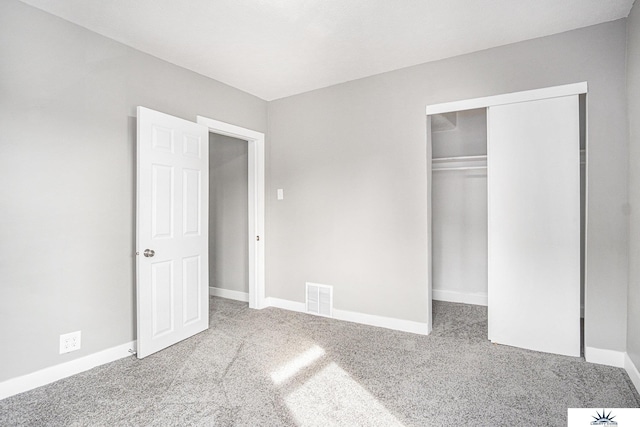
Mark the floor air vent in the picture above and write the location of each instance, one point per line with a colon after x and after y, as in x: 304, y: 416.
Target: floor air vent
x: 319, y: 299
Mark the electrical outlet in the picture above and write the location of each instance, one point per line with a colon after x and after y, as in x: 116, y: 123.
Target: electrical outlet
x: 70, y: 342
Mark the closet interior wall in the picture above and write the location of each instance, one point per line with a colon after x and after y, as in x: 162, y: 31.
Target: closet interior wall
x: 459, y: 206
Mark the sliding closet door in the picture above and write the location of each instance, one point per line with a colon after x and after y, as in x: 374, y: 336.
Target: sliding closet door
x: 534, y: 225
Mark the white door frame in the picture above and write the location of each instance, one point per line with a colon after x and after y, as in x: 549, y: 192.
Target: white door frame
x: 489, y: 101
x: 256, y: 187
x: 508, y: 98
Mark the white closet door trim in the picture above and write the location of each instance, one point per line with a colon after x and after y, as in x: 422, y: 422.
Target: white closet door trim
x: 508, y: 98
x: 429, y: 228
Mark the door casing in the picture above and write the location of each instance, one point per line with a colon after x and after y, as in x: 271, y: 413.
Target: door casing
x: 256, y: 202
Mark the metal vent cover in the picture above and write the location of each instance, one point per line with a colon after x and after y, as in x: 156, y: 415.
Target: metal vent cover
x: 319, y: 299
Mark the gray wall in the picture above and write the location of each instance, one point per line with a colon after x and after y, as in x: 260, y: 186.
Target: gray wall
x: 633, y: 87
x: 459, y: 208
x: 67, y: 144
x: 228, y: 218
x: 352, y: 161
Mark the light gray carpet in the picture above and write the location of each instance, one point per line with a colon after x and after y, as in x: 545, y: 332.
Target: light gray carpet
x: 278, y: 368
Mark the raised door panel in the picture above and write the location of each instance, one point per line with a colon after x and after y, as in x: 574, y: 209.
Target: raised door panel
x: 162, y: 202
x: 172, y: 212
x: 192, y: 203
x: 162, y: 297
x: 192, y: 289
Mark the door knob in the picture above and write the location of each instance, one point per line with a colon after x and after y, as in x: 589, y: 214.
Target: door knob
x: 149, y: 253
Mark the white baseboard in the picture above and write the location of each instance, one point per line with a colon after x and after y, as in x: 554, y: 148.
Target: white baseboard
x: 604, y: 357
x: 382, y: 322
x: 285, y: 304
x: 462, y: 297
x: 54, y: 373
x: 632, y: 370
x: 355, y: 317
x: 229, y: 294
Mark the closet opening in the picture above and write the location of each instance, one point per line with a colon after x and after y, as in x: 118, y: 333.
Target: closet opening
x: 459, y: 206
x: 228, y: 217
x: 507, y: 183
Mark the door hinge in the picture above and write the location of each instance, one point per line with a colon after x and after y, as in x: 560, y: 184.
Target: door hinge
x: 258, y: 238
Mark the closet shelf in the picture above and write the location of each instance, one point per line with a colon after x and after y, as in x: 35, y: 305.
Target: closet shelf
x: 459, y: 163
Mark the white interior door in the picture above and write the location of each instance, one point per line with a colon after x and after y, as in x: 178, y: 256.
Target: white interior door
x: 534, y: 225
x: 172, y: 230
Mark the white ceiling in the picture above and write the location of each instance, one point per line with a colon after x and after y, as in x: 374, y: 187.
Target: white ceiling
x: 277, y: 48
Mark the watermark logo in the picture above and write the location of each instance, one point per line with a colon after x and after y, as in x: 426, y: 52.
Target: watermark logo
x: 619, y: 417
x: 604, y: 419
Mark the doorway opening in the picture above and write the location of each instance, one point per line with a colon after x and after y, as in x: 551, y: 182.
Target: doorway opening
x: 228, y: 217
x: 236, y: 269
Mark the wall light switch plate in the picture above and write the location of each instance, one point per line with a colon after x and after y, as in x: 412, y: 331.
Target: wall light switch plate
x: 70, y: 342
x: 280, y: 194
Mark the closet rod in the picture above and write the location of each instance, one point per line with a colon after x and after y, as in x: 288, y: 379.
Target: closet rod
x: 459, y: 168
x: 466, y: 168
x: 458, y: 158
